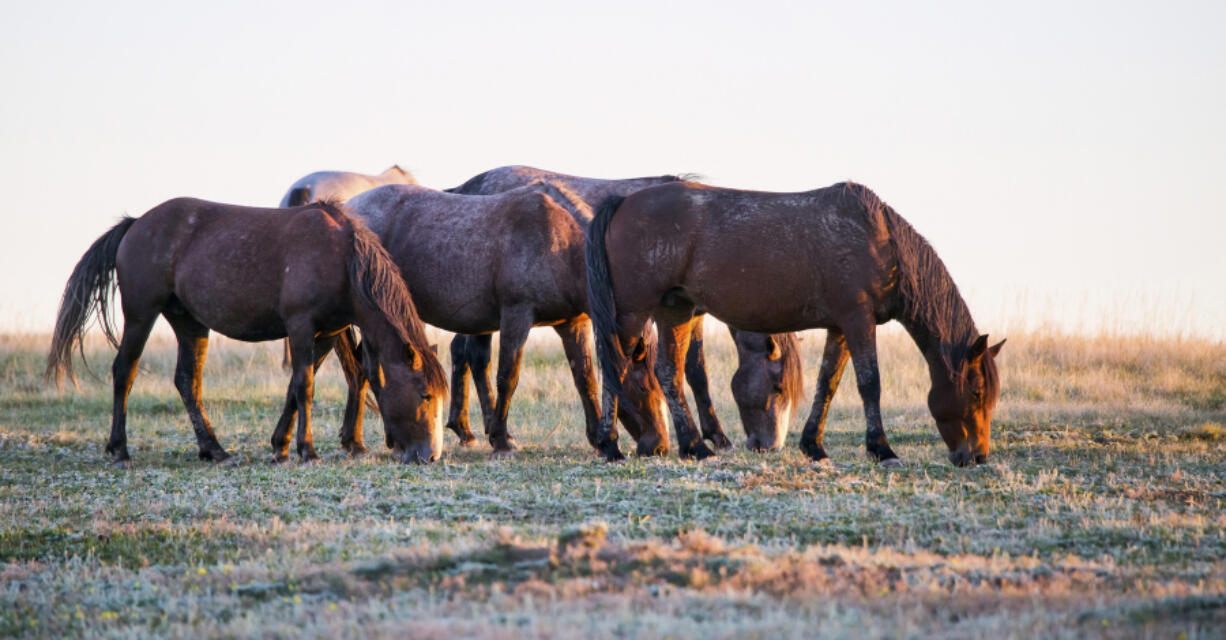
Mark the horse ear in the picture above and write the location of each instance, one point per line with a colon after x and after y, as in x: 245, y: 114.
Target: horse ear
x: 995, y: 349
x: 772, y: 348
x: 978, y: 349
x: 640, y: 351
x: 434, y: 348
x: 413, y: 358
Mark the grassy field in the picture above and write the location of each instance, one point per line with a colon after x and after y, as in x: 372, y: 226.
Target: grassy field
x: 1100, y: 515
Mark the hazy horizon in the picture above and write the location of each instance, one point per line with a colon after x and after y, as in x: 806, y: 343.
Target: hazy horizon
x: 1065, y: 161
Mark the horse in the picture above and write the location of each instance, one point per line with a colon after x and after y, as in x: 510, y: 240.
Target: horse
x: 236, y: 270
x: 507, y: 263
x: 339, y: 186
x: 836, y: 258
x: 768, y: 383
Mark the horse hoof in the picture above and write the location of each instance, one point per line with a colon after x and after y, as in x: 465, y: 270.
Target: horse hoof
x: 507, y: 446
x: 892, y: 463
x: 824, y: 463
x: 470, y: 441
x: 230, y: 462
x: 310, y: 459
x: 124, y: 464
x: 720, y: 441
x: 699, y: 451
x: 503, y: 454
x: 278, y: 458
x: 355, y: 450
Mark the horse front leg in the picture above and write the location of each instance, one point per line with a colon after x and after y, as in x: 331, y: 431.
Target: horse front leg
x: 513, y: 329
x: 834, y: 361
x: 862, y: 342
x: 675, y: 335
x: 696, y: 375
x: 576, y: 338
x: 350, y: 357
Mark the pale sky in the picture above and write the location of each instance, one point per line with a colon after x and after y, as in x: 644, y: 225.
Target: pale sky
x: 1067, y: 160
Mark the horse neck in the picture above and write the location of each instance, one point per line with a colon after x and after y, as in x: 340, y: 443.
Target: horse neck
x: 378, y: 329
x: 928, y: 302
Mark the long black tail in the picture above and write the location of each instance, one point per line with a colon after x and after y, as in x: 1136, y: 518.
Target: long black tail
x: 89, y: 294
x: 601, y: 305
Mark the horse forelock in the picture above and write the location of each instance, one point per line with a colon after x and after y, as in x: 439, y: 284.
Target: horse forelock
x: 929, y: 297
x: 793, y: 376
x: 379, y: 282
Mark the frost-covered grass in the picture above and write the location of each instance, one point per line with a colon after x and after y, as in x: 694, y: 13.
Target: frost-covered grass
x: 1100, y: 514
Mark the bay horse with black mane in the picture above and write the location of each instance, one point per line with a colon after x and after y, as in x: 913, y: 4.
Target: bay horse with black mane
x: 836, y: 258
x: 255, y: 274
x: 767, y: 386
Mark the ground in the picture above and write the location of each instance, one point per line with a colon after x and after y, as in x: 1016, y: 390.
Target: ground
x: 1100, y: 514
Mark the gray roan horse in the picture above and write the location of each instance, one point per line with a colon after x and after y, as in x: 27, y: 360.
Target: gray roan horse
x: 767, y: 385
x: 237, y: 270
x: 506, y: 263
x: 339, y: 186
x: 836, y: 258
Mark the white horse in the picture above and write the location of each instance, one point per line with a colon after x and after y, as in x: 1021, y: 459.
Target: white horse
x: 339, y: 186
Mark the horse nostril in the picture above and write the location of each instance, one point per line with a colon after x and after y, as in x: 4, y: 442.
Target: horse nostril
x: 960, y: 458
x: 981, y: 458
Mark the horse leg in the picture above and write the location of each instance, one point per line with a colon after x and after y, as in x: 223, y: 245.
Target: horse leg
x: 862, y: 341
x: 302, y: 386
x: 281, y: 433
x: 576, y: 338
x: 477, y: 352
x: 350, y: 357
x: 696, y: 373
x: 676, y: 327
x: 193, y: 340
x: 834, y: 360
x: 513, y: 330
x: 123, y: 372
x: 457, y: 419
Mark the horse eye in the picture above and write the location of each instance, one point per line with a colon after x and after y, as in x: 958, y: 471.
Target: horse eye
x: 426, y: 396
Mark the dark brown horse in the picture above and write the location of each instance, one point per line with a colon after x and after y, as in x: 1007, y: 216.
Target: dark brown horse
x: 507, y: 263
x: 237, y: 270
x: 836, y: 258
x: 765, y: 391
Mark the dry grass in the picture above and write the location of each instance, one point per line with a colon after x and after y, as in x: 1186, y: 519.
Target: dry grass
x: 1101, y: 514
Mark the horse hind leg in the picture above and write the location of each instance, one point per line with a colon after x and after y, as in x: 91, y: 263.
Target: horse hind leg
x: 696, y: 375
x: 676, y: 327
x: 193, y: 338
x: 834, y: 361
x: 457, y: 418
x: 123, y: 371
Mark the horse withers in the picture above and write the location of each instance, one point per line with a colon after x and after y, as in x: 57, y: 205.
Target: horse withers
x: 255, y: 274
x: 836, y: 258
x: 768, y: 382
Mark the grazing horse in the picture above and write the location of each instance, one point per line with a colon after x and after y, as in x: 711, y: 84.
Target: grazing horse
x: 837, y: 258
x: 236, y: 270
x: 339, y: 186
x: 507, y: 263
x: 768, y: 383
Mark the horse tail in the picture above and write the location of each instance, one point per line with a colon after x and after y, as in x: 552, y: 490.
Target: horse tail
x: 297, y: 197
x: 89, y: 295
x: 601, y: 305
